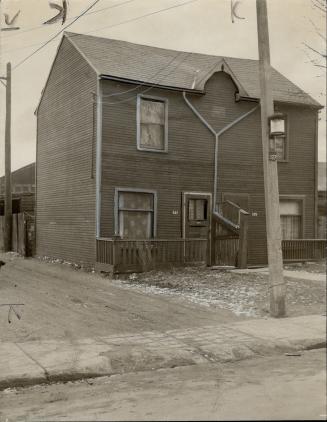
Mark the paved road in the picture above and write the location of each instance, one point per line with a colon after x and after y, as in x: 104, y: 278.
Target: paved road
x: 282, y: 387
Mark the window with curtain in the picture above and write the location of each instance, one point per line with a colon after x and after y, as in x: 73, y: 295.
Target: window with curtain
x: 197, y: 209
x: 291, y: 219
x: 136, y: 215
x: 152, y: 124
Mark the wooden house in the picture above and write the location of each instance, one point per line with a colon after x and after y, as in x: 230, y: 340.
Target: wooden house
x: 147, y: 155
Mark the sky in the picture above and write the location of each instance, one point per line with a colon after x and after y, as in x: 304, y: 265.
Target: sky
x: 202, y: 26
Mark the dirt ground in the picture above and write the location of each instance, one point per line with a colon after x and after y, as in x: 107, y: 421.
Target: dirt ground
x: 243, y: 294
x: 63, y: 302
x: 272, y: 388
x: 311, y: 267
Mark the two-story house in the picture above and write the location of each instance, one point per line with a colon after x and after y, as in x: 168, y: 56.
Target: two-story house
x: 137, y: 142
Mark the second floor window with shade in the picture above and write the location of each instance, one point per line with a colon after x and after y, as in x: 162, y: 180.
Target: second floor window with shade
x: 152, y: 124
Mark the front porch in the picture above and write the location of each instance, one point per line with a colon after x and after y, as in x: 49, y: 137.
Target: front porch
x: 126, y: 255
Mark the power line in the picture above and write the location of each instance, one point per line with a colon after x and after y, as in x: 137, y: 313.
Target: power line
x: 147, y: 89
x: 152, y: 76
x: 32, y: 28
x: 58, y: 33
x: 100, y: 29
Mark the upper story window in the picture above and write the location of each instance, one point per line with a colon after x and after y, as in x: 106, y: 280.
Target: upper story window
x: 281, y: 142
x: 281, y: 148
x: 152, y: 124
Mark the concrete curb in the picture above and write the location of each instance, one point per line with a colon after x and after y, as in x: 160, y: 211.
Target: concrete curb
x: 37, y: 362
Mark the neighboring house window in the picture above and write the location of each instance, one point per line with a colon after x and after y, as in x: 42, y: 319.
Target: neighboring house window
x: 152, y: 127
x: 291, y: 218
x: 136, y: 214
x: 197, y: 210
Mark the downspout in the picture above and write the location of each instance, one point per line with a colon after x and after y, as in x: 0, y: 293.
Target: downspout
x: 98, y: 171
x: 217, y: 135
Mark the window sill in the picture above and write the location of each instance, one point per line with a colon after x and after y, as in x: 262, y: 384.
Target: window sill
x: 161, y: 151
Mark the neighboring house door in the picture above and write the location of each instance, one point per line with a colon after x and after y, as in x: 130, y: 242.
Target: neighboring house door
x: 196, y: 213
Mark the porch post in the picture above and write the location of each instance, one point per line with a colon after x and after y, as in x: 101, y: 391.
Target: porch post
x: 242, y: 261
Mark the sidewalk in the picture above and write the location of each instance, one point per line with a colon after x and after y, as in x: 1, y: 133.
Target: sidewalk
x: 35, y: 362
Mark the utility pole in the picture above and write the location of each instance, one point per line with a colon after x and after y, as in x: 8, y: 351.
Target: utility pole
x: 275, y: 259
x: 8, y: 195
x: 8, y: 191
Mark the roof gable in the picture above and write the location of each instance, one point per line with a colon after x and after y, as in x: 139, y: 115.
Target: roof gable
x: 179, y: 69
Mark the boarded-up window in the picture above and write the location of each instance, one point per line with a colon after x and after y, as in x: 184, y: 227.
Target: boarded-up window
x: 152, y: 124
x: 291, y: 219
x: 197, y: 209
x: 280, y: 145
x: 136, y: 215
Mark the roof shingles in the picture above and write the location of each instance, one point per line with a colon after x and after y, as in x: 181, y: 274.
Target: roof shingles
x: 178, y: 69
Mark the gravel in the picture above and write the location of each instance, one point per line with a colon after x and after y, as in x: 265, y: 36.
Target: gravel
x: 243, y: 294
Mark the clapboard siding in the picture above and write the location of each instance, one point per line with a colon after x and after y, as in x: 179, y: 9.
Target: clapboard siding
x: 189, y: 163
x: 66, y: 158
x: 65, y: 218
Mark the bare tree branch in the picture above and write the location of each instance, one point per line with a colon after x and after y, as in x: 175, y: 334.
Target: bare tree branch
x: 316, y: 51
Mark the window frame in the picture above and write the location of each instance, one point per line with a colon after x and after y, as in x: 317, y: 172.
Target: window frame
x: 301, y: 199
x: 138, y: 123
x: 196, y: 221
x: 286, y: 139
x: 135, y: 190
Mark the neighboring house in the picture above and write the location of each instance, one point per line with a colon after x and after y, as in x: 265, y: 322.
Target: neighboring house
x: 122, y: 152
x: 322, y: 201
x: 23, y: 190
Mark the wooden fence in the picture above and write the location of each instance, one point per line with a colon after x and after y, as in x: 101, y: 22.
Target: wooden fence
x: 143, y: 255
x: 304, y: 250
x: 23, y: 228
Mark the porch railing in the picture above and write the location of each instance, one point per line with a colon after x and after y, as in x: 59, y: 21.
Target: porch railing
x: 231, y: 211
x: 304, y: 249
x: 142, y: 255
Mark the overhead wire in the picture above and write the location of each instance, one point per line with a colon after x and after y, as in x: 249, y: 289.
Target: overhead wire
x: 32, y: 28
x: 151, y: 86
x: 100, y: 29
x: 152, y: 76
x: 55, y: 36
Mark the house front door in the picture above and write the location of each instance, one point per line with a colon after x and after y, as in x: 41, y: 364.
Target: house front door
x: 196, y: 214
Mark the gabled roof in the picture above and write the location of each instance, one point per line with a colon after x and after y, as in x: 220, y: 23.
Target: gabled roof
x: 177, y: 69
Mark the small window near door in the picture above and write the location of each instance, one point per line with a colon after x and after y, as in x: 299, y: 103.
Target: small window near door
x: 152, y: 124
x: 198, y: 210
x: 291, y: 219
x: 136, y: 215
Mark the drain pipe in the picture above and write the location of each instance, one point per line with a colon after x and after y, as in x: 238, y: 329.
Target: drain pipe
x: 217, y: 135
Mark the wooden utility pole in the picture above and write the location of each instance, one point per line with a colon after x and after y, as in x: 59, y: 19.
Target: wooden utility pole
x: 8, y: 196
x: 275, y: 259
